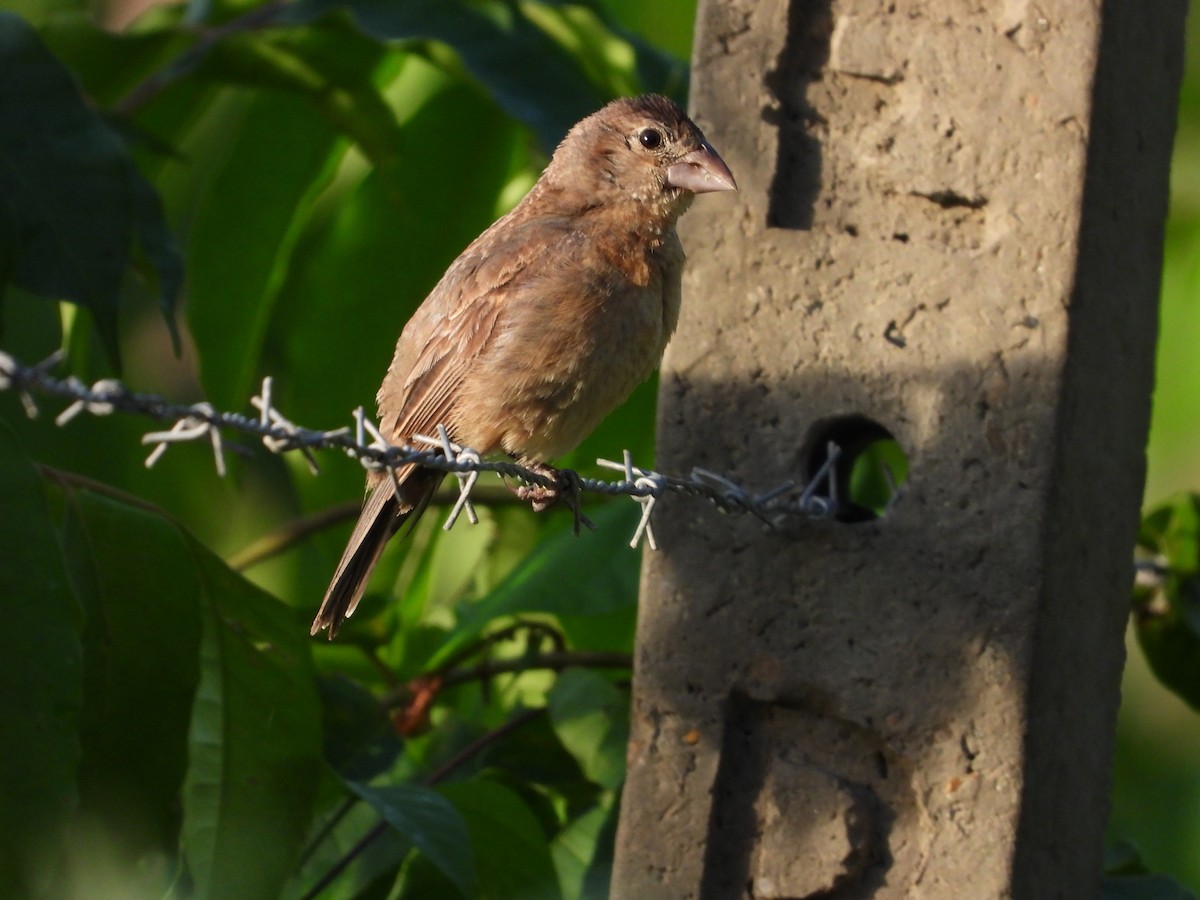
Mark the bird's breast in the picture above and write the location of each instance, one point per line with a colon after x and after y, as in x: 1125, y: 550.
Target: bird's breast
x: 568, y: 351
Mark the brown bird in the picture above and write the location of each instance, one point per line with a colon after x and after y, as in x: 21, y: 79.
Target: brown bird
x: 546, y: 322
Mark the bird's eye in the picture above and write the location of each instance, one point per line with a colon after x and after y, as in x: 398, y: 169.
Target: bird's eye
x: 651, y: 138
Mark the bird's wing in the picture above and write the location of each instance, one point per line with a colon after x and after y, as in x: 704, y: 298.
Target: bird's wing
x: 457, y: 322
x: 434, y: 354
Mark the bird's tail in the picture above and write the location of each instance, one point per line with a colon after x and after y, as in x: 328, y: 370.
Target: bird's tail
x: 383, y: 514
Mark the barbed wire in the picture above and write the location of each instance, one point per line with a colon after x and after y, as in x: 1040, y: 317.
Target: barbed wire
x: 363, y: 441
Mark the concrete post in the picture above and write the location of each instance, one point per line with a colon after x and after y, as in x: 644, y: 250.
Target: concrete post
x: 949, y: 227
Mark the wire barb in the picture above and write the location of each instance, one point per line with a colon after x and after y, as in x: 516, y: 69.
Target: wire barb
x: 570, y: 490
x: 97, y: 407
x: 8, y: 375
x: 269, y: 417
x: 811, y: 504
x: 649, y: 486
x: 189, y: 428
x: 364, y: 442
x: 453, y: 453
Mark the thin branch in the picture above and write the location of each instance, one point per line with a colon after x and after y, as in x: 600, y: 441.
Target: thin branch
x: 555, y: 661
x: 327, y: 829
x: 378, y: 829
x: 541, y: 662
x: 292, y: 533
x: 532, y: 628
x: 477, y: 746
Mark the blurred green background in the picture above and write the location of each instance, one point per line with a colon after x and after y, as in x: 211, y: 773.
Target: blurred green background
x: 1156, y: 790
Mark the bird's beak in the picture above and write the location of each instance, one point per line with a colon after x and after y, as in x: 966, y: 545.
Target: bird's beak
x: 701, y: 171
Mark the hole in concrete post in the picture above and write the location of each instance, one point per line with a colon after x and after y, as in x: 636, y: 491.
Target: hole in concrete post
x: 871, y: 467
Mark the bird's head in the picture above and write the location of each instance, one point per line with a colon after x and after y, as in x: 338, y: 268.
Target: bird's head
x: 643, y: 150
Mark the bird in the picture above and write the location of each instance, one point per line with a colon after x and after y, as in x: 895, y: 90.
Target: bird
x: 546, y: 322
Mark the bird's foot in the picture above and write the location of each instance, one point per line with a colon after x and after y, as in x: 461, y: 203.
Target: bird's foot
x: 567, y: 488
x: 541, y: 496
x: 538, y: 496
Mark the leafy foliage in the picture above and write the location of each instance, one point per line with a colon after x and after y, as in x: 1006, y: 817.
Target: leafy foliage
x: 75, y: 207
x: 175, y: 732
x: 433, y: 825
x: 42, y: 703
x: 1167, y: 615
x: 1126, y: 877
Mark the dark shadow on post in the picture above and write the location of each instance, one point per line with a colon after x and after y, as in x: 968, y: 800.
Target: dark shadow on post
x: 733, y: 828
x: 1069, y: 744
x: 844, y: 668
x: 797, y: 180
x: 779, y: 762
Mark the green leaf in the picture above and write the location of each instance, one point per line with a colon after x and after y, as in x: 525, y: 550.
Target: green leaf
x: 360, y: 742
x: 156, y: 243
x: 583, y: 852
x: 1127, y: 877
x: 529, y: 74
x: 1167, y: 615
x: 331, y: 65
x: 141, y: 643
x: 591, y: 717
x: 1124, y: 858
x: 534, y: 755
x: 607, y: 59
x: 590, y: 575
x: 40, y: 676
x: 620, y: 61
x: 669, y: 23
x: 598, y: 877
x: 432, y: 824
x: 40, y: 12
x: 1172, y: 530
x: 512, y: 856
x: 272, y: 157
x: 72, y: 197
x: 456, y: 557
x: 109, y: 65
x: 574, y: 848
x: 1143, y: 887
x: 659, y: 71
x: 255, y: 740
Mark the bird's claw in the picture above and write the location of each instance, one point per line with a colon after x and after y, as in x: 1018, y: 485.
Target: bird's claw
x: 538, y: 496
x: 566, y: 489
x: 542, y: 496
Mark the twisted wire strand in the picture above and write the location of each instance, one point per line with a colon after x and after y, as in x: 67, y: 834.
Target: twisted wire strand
x: 201, y: 421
